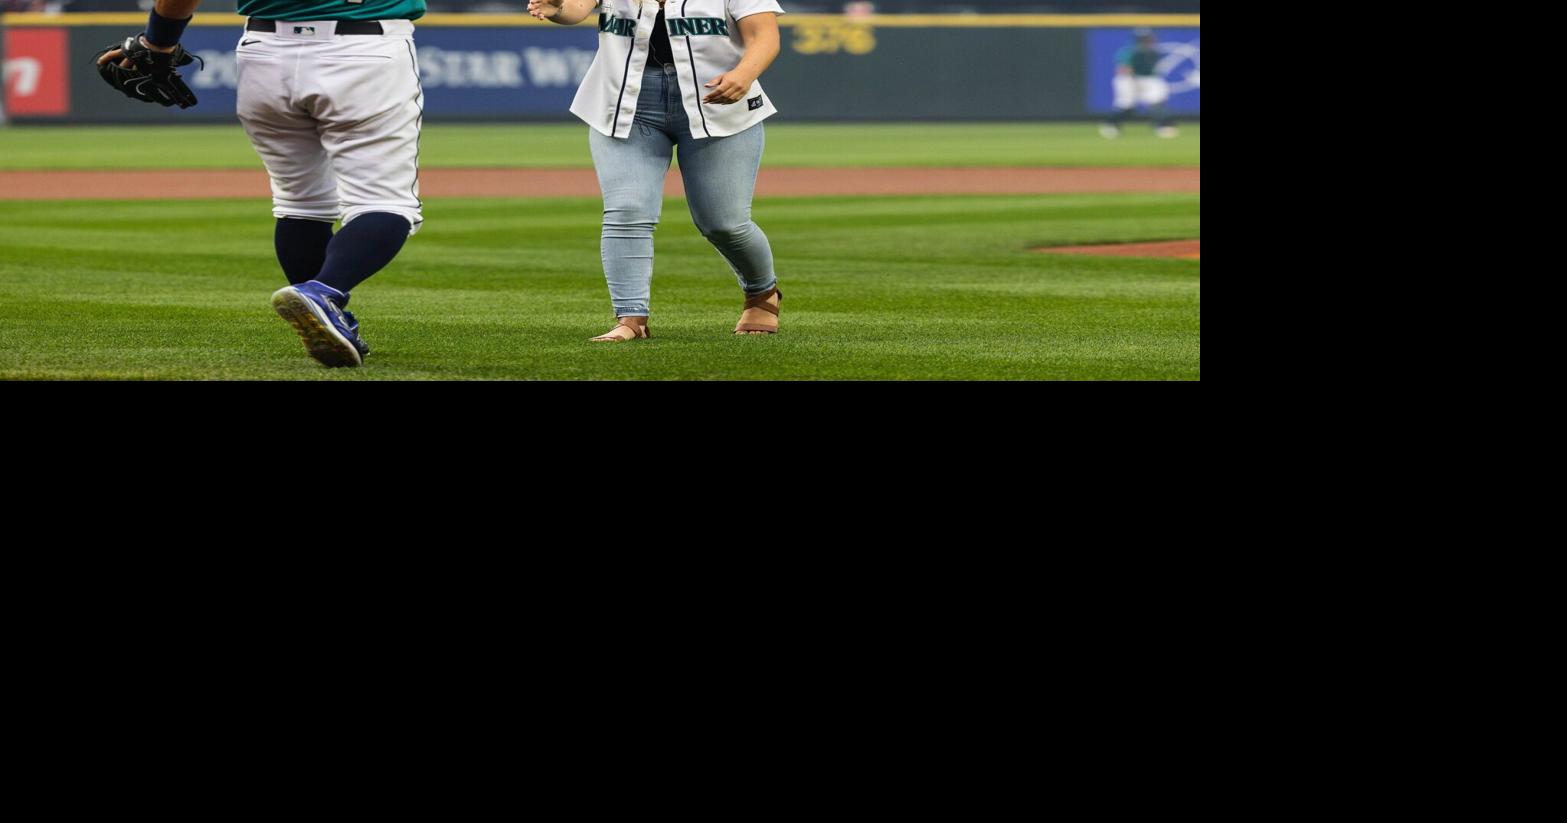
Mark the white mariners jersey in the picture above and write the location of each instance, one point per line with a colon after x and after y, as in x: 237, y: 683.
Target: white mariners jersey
x: 706, y: 43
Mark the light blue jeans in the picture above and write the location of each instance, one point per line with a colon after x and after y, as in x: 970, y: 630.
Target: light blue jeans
x: 720, y: 178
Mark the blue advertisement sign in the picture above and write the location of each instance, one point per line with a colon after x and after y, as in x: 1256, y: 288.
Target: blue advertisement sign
x: 1180, y: 66
x: 472, y: 73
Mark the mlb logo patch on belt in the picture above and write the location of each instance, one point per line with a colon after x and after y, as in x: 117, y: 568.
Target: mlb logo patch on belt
x: 306, y: 30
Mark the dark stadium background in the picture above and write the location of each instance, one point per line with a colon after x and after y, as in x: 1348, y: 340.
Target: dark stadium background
x: 840, y: 65
x: 817, y: 6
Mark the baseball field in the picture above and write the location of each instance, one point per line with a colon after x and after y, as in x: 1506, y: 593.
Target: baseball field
x: 906, y: 252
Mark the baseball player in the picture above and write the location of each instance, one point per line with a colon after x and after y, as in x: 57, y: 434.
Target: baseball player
x: 678, y: 74
x: 1137, y: 83
x: 329, y: 94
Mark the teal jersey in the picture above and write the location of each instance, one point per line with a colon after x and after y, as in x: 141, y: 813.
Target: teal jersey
x: 1144, y: 60
x: 332, y: 9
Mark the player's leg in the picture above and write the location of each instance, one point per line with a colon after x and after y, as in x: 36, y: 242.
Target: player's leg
x: 301, y: 247
x: 304, y: 190
x: 1155, y: 94
x: 720, y: 177
x: 304, y: 198
x: 1125, y: 88
x: 1164, y: 124
x: 370, y: 109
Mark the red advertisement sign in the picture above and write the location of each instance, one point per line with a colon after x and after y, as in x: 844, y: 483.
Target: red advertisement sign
x: 37, y: 73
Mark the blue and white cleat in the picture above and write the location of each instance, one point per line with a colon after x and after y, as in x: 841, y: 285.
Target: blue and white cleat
x: 315, y: 310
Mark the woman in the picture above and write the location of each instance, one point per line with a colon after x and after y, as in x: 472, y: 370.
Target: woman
x: 682, y: 76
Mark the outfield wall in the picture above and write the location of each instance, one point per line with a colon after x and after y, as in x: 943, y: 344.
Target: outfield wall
x: 514, y: 68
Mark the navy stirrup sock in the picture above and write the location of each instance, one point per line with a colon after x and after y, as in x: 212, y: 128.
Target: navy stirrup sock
x: 301, y: 248
x: 363, y: 248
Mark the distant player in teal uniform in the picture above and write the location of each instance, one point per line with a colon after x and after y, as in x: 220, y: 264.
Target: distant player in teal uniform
x: 329, y: 94
x: 1137, y: 83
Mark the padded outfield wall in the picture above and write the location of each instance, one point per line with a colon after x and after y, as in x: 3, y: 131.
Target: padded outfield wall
x: 514, y: 68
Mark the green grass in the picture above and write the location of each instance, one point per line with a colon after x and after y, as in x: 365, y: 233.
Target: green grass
x: 877, y: 288
x: 565, y: 145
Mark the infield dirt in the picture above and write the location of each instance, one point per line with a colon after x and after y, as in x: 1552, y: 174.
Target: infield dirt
x: 1179, y: 249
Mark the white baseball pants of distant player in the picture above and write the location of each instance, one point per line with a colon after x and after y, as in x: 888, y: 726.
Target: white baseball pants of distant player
x: 1131, y: 92
x: 336, y: 118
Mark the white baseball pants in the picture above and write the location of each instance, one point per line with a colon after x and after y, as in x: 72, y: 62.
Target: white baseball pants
x: 336, y: 119
x: 1147, y: 91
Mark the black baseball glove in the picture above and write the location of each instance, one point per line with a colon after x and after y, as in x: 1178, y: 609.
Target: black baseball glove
x: 153, y: 76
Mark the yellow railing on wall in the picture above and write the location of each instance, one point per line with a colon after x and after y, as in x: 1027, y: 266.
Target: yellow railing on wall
x: 888, y: 21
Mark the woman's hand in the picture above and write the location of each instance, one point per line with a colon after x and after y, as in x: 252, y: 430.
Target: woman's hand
x: 760, y: 34
x: 730, y: 88
x: 545, y: 9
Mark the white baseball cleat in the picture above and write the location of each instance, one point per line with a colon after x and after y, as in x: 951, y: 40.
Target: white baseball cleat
x: 1109, y: 132
x: 1169, y: 132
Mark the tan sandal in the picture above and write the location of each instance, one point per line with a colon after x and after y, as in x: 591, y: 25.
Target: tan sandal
x: 629, y: 328
x: 760, y: 315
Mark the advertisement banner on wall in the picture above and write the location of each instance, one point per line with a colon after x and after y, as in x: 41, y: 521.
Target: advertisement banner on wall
x: 1180, y: 66
x: 468, y: 73
x: 36, y: 73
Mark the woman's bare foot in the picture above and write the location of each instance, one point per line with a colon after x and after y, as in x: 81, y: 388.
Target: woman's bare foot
x: 761, y: 314
x: 630, y: 328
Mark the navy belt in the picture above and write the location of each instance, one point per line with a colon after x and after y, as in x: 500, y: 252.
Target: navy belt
x: 343, y: 26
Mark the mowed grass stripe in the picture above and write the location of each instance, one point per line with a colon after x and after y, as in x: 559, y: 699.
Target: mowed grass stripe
x: 447, y: 145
